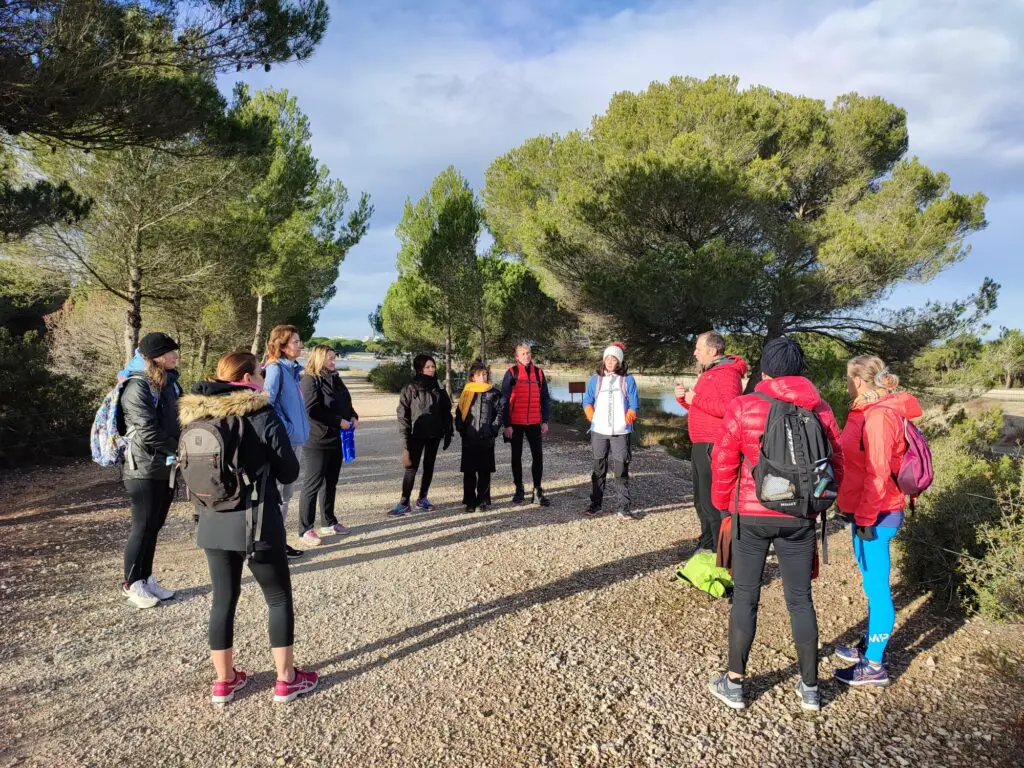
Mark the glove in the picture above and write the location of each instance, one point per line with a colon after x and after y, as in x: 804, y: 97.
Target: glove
x: 447, y: 442
x: 588, y: 411
x: 630, y: 416
x: 866, y: 532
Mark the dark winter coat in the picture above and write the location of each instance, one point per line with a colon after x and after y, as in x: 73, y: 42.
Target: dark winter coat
x: 150, y: 425
x: 266, y: 453
x: 479, y: 430
x: 424, y: 410
x: 328, y: 403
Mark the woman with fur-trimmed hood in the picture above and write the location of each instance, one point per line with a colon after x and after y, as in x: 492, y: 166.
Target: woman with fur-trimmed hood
x: 265, y: 454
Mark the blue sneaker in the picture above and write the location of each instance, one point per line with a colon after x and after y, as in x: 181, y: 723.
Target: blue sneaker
x: 424, y: 505
x: 851, y: 654
x: 863, y: 673
x: 399, y: 510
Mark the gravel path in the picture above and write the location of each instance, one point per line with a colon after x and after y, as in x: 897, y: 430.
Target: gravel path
x: 513, y: 637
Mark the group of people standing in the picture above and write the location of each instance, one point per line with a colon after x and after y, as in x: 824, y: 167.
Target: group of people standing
x: 293, y: 419
x: 727, y: 429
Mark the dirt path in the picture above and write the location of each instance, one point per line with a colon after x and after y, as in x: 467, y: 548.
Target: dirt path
x: 515, y: 637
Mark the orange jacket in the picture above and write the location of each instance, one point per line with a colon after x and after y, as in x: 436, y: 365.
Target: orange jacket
x: 873, y: 449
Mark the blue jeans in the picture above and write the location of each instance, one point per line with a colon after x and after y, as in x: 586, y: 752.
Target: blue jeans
x: 873, y: 559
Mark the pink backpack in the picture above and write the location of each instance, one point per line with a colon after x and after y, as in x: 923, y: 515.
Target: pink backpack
x: 916, y: 472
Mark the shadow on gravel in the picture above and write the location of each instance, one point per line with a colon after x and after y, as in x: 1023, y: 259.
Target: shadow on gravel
x: 431, y: 633
x: 62, y: 513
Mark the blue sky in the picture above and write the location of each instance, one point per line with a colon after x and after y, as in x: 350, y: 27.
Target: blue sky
x: 399, y: 89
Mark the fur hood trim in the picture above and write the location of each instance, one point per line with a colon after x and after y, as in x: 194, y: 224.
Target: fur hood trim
x: 238, y: 403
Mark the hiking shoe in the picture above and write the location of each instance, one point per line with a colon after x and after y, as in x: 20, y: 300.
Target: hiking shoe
x: 540, y: 498
x: 591, y: 511
x: 863, y: 673
x: 852, y: 653
x: 292, y: 552
x: 810, y: 698
x: 223, y: 691
x: 157, y: 590
x: 484, y: 507
x: 139, y: 595
x: 310, y: 539
x: 424, y: 505
x: 470, y: 509
x: 303, y: 682
x: 728, y: 692
x: 519, y: 497
x: 626, y: 515
x: 333, y: 530
x: 399, y: 510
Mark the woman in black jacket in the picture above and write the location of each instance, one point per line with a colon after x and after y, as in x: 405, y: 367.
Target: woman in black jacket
x: 254, y: 528
x: 478, y: 420
x: 149, y: 422
x: 330, y: 410
x: 424, y: 419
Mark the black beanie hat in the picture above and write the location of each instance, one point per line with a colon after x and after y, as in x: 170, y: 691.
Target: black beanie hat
x: 782, y: 357
x: 156, y: 344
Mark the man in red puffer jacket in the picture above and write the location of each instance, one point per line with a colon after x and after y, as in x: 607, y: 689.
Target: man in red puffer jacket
x: 757, y: 528
x: 720, y: 382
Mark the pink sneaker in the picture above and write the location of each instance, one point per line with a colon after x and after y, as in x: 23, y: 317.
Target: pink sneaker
x: 304, y: 682
x: 310, y: 539
x: 224, y: 690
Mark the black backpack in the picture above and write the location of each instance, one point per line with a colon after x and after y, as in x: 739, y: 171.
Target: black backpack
x: 794, y: 472
x: 209, y: 463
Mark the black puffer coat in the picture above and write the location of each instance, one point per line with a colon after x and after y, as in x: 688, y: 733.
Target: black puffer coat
x: 149, y: 422
x: 328, y: 403
x: 265, y: 447
x: 424, y: 410
x: 479, y: 429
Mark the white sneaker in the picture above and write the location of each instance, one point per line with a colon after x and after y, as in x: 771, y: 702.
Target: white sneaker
x: 310, y: 539
x: 333, y: 530
x: 139, y: 596
x: 157, y: 590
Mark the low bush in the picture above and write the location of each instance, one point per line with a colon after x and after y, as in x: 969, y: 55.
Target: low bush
x: 570, y: 414
x: 963, y: 542
x: 390, y: 377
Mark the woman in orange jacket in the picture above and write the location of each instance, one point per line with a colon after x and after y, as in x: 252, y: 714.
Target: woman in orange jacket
x: 873, y: 449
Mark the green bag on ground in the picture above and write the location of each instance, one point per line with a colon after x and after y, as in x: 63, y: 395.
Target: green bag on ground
x: 701, y: 571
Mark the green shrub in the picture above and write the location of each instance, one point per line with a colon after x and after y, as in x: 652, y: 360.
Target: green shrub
x: 678, y: 444
x: 997, y: 579
x: 965, y: 512
x: 390, y: 377
x: 570, y: 414
x: 44, y: 416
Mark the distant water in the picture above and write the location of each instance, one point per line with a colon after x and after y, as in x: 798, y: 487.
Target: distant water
x: 661, y: 398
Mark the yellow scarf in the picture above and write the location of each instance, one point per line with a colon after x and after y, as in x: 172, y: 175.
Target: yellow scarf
x: 471, y: 388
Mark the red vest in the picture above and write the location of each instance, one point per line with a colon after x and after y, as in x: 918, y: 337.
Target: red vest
x: 524, y: 402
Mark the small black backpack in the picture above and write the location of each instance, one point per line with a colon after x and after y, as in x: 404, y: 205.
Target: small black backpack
x: 209, y: 463
x: 794, y: 472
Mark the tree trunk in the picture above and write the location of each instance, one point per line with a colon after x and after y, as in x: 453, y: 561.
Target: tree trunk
x: 133, y: 315
x: 204, y: 352
x: 448, y: 359
x: 1009, y: 380
x: 256, y: 338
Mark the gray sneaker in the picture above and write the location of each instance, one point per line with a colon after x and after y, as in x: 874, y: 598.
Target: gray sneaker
x: 728, y: 692
x: 810, y: 698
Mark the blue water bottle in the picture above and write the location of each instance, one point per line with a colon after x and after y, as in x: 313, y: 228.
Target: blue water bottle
x: 348, y: 445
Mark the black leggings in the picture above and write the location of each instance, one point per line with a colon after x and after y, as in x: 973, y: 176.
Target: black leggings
x: 795, y: 547
x: 533, y: 437
x: 320, y: 470
x: 417, y: 448
x: 274, y: 579
x: 151, y: 499
x: 710, y: 518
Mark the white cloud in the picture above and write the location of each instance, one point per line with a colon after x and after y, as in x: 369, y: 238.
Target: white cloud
x: 399, y: 91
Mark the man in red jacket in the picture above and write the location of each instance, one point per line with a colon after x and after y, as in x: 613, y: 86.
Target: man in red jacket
x: 757, y: 527
x: 720, y: 381
x: 526, y: 411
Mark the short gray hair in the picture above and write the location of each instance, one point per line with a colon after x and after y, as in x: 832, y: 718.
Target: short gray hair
x: 714, y: 340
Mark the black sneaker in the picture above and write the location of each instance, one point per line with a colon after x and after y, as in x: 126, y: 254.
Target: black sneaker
x: 591, y: 511
x: 519, y: 497
x: 470, y: 509
x: 540, y: 498
x: 292, y: 552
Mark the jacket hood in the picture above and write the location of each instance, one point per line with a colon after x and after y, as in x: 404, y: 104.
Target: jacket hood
x: 791, y: 389
x: 217, y: 399
x: 904, y: 403
x: 136, y: 365
x: 730, y: 361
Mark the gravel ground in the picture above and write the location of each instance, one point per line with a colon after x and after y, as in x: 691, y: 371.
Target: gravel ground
x: 513, y: 637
